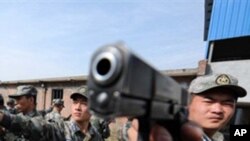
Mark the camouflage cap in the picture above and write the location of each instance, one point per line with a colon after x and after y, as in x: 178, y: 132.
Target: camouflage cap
x: 212, y: 81
x: 24, y: 90
x: 58, y: 102
x: 80, y: 91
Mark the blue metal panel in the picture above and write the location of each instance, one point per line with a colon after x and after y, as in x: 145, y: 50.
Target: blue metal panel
x: 233, y: 26
x: 229, y: 19
x: 247, y: 20
x: 241, y: 15
x: 214, y: 19
x: 222, y: 9
x: 227, y: 22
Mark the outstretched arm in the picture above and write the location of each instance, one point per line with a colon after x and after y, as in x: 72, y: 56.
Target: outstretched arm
x: 35, y: 128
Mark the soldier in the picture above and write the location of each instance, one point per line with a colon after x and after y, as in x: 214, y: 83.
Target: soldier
x: 58, y: 105
x: 11, y: 106
x: 129, y: 130
x: 80, y: 117
x: 101, y: 125
x: 26, y: 100
x: 212, y: 105
x: 213, y: 102
x: 2, y: 107
x: 78, y: 128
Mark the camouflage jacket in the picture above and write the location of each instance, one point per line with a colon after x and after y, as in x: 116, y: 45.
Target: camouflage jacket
x: 216, y: 137
x: 123, y: 131
x: 39, y: 129
x: 46, y: 111
x: 33, y: 113
x: 12, y: 110
x: 13, y: 134
x: 101, y: 125
x: 54, y: 117
x: 73, y: 133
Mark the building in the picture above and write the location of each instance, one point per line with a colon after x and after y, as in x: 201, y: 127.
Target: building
x: 48, y: 89
x: 227, y: 33
x: 52, y: 88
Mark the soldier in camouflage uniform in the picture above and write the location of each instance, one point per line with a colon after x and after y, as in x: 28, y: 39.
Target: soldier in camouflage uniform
x: 3, y: 108
x: 80, y: 119
x: 11, y: 106
x: 129, y: 130
x: 101, y: 125
x: 58, y: 105
x: 26, y: 100
x: 26, y: 106
x: 77, y: 129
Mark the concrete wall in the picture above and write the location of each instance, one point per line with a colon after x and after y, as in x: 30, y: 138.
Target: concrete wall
x: 239, y: 69
x: 70, y: 84
x: 45, y: 92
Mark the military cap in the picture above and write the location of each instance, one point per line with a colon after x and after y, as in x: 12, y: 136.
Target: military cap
x: 82, y: 91
x: 58, y: 102
x: 213, y: 81
x: 24, y: 90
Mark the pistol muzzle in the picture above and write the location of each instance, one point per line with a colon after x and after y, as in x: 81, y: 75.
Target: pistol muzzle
x: 106, y: 66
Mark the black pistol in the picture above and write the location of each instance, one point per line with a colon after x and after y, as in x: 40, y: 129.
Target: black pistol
x: 122, y: 84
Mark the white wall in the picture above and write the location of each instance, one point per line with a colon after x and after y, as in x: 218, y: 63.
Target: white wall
x: 239, y: 69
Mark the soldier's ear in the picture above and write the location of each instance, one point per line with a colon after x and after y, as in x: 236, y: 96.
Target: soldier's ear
x: 32, y: 99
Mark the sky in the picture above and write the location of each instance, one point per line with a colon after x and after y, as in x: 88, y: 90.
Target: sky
x: 56, y: 38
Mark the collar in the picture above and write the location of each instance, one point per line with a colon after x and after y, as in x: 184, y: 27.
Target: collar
x: 32, y: 113
x: 206, y: 138
x: 218, y: 136
x: 76, y: 130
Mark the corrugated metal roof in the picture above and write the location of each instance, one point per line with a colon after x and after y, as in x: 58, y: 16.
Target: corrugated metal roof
x: 230, y: 18
x: 207, y: 17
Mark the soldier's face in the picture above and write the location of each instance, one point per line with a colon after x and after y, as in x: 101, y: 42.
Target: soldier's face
x: 80, y: 112
x: 23, y: 104
x: 60, y: 108
x: 212, y: 110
